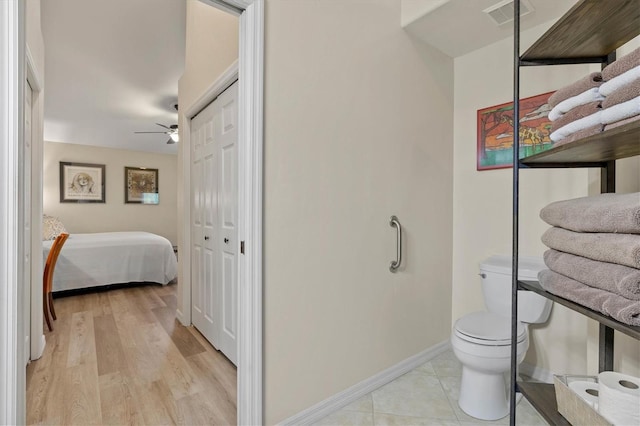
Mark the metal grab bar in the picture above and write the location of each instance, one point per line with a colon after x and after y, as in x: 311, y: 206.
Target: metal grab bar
x: 395, y: 264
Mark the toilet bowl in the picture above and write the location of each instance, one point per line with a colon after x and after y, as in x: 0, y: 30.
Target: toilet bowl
x: 482, y: 343
x: 482, y: 340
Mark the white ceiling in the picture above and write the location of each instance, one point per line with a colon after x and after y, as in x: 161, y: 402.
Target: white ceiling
x: 112, y: 68
x: 457, y: 27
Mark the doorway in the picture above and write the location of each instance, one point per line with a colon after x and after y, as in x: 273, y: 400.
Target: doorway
x: 250, y: 69
x: 12, y: 49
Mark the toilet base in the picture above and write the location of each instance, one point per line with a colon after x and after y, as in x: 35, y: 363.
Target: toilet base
x: 483, y: 395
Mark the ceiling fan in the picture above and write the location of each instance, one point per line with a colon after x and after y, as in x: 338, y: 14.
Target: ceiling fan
x: 171, y: 130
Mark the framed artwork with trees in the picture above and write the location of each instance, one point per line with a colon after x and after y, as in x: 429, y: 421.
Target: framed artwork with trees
x: 495, y: 132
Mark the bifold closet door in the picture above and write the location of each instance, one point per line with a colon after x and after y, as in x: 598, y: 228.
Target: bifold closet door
x: 214, y: 197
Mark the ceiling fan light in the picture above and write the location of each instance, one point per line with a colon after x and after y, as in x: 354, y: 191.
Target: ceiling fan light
x: 175, y: 137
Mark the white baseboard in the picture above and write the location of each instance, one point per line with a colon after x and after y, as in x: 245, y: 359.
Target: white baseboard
x: 40, y: 349
x: 536, y: 373
x: 43, y: 344
x: 180, y: 317
x: 332, y: 404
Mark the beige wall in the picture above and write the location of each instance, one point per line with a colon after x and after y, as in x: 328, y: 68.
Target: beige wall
x: 211, y: 47
x: 35, y: 51
x: 114, y: 215
x: 482, y: 200
x: 35, y: 41
x: 358, y: 127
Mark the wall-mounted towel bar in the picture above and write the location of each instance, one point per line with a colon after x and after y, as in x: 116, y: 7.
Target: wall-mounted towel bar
x: 395, y: 264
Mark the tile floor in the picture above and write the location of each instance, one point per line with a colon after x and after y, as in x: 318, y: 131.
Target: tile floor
x: 427, y: 395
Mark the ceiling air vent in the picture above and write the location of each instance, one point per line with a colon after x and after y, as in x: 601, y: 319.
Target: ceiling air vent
x: 502, y: 12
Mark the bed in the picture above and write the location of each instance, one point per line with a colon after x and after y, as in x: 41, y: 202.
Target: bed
x: 100, y: 259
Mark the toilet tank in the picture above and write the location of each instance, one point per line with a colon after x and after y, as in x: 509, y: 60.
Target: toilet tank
x: 496, y: 288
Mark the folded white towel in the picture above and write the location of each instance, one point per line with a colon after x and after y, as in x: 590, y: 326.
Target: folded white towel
x: 609, y: 115
x: 591, y: 95
x: 575, y: 126
x: 623, y: 79
x: 621, y: 111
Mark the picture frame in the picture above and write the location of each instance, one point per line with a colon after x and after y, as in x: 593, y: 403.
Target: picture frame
x: 141, y: 185
x: 82, y: 182
x: 495, y: 132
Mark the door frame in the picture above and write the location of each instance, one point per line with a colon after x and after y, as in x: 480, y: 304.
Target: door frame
x: 250, y: 115
x: 249, y: 70
x: 12, y: 81
x: 36, y: 335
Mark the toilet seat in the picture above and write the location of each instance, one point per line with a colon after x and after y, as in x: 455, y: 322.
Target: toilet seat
x: 487, y: 328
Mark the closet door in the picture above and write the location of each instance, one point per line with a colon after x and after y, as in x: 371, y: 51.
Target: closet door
x: 214, y: 139
x: 204, y: 187
x: 226, y: 135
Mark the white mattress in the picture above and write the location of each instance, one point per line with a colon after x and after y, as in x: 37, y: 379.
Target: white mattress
x: 90, y: 260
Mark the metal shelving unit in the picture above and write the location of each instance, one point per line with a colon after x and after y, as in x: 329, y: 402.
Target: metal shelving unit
x: 588, y: 33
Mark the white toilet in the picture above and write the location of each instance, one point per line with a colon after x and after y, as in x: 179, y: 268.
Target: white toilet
x: 482, y: 340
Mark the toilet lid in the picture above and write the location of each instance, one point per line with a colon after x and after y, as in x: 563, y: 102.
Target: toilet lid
x: 487, y: 328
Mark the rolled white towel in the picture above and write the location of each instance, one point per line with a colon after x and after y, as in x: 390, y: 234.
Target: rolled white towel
x: 623, y: 79
x: 591, y: 95
x: 575, y: 126
x: 621, y: 111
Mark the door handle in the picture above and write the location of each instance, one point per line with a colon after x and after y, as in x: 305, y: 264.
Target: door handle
x: 226, y: 241
x: 395, y: 264
x: 206, y: 237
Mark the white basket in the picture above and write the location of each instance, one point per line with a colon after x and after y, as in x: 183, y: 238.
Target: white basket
x: 571, y: 406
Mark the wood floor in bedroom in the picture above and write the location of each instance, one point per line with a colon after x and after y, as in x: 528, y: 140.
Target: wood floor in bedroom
x: 120, y: 357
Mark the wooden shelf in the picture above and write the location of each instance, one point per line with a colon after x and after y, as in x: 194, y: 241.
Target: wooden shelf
x: 591, y: 29
x: 542, y: 397
x: 629, y: 330
x: 614, y: 144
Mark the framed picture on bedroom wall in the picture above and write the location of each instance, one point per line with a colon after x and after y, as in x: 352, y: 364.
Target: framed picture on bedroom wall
x: 495, y: 132
x: 82, y: 183
x: 141, y: 185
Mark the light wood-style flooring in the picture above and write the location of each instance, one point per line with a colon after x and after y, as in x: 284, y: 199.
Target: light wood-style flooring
x: 121, y: 357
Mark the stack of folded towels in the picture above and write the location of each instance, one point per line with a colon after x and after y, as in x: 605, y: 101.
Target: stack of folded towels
x: 597, y: 102
x: 594, y: 256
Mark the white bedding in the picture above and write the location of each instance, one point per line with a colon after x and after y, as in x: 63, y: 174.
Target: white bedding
x: 90, y: 260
